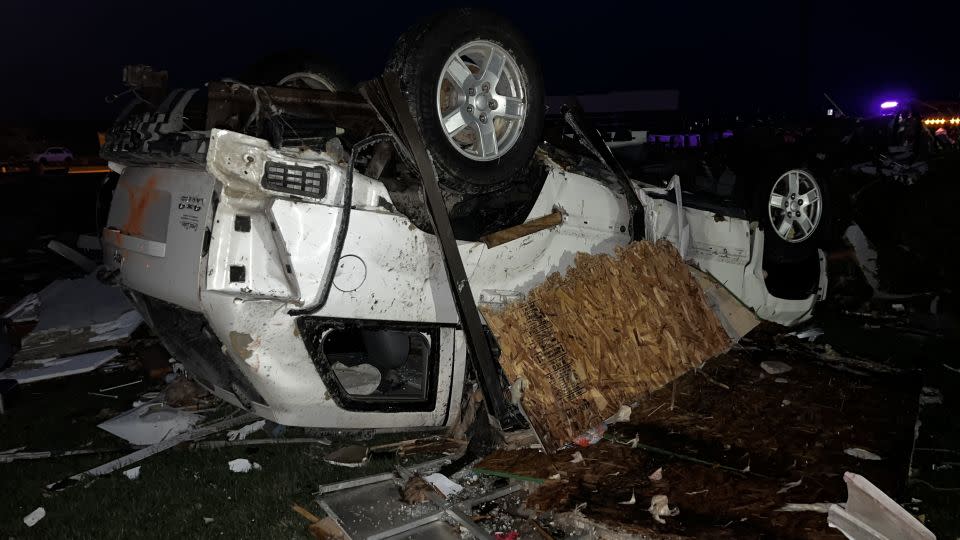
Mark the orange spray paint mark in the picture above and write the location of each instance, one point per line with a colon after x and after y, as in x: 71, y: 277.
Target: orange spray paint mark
x: 139, y: 200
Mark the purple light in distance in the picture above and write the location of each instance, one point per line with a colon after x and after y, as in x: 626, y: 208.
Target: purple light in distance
x: 888, y: 104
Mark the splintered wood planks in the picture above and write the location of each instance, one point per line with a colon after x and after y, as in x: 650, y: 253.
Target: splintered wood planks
x: 605, y: 334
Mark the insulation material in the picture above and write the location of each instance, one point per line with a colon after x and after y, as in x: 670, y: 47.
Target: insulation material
x: 605, y: 334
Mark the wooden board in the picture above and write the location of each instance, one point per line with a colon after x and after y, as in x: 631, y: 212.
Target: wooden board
x: 605, y: 334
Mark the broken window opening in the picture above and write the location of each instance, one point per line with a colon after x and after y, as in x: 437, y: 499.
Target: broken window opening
x: 375, y: 365
x: 378, y: 362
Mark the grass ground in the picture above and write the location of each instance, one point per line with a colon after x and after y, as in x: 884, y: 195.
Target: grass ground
x: 176, y: 489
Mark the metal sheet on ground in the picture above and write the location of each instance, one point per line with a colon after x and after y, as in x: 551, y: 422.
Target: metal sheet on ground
x: 369, y: 510
x: 435, y: 530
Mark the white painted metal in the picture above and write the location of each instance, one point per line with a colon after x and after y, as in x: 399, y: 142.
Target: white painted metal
x: 390, y: 270
x: 731, y: 250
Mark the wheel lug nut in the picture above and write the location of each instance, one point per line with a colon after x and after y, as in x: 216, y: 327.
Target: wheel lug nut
x: 485, y: 86
x: 798, y: 214
x: 483, y: 119
x: 471, y: 91
x: 492, y: 104
x: 793, y: 195
x: 469, y: 108
x: 800, y: 202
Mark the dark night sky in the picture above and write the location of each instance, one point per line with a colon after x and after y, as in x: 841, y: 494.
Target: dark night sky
x: 59, y: 59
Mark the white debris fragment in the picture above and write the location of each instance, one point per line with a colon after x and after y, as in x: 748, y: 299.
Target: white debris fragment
x: 784, y: 403
x: 632, y: 443
x: 660, y: 508
x: 577, y: 457
x: 241, y: 433
x: 780, y: 380
x: 555, y: 476
x: 810, y: 334
x: 822, y: 507
x: 207, y: 521
x: 242, y: 465
x: 633, y: 499
x: 898, y: 307
x: 860, y: 453
x: 789, y: 485
x: 443, y: 484
x: 623, y: 414
x: 35, y: 516
x: 656, y: 475
x: 133, y: 473
x: 775, y: 367
x: 150, y: 423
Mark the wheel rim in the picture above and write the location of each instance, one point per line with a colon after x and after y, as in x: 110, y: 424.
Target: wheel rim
x: 308, y: 79
x: 795, y: 206
x: 481, y: 100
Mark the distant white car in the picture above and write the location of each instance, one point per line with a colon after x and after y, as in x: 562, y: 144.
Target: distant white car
x: 54, y: 154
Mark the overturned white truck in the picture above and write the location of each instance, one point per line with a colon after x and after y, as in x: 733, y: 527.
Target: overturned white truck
x: 301, y: 281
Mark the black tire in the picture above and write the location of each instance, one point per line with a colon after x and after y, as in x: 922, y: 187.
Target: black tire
x: 419, y: 58
x: 272, y: 69
x: 776, y: 249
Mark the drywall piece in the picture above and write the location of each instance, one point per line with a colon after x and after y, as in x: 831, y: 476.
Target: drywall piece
x: 150, y: 424
x: 78, y: 315
x: 52, y: 368
x: 871, y: 515
x: 736, y: 318
x: 606, y: 333
x: 118, y: 329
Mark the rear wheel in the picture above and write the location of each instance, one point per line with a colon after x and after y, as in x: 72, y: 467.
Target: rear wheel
x: 791, y: 206
x: 475, y: 89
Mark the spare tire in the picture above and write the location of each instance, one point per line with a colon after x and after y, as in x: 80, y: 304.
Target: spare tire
x: 475, y: 89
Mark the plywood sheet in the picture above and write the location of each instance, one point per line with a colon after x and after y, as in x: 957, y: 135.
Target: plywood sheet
x: 605, y: 334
